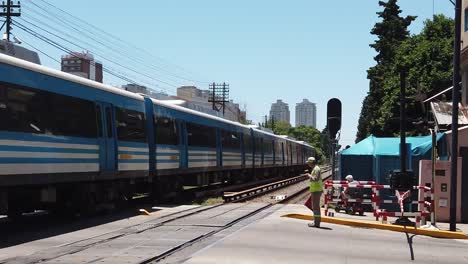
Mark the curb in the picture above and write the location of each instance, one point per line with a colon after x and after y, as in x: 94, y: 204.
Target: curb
x: 396, y: 228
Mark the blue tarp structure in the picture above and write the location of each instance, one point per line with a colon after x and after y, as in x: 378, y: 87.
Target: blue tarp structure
x: 373, y: 158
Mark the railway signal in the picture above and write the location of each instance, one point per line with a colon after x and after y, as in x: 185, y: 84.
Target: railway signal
x: 334, y: 125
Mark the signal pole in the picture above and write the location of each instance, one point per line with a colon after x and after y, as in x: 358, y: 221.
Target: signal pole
x: 455, y: 100
x: 8, y: 11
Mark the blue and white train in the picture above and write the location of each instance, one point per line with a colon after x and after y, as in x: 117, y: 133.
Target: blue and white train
x: 66, y: 140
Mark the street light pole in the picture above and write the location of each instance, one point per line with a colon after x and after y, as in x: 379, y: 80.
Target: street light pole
x: 455, y: 100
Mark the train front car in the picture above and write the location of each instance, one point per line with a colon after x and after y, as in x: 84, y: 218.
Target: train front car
x: 62, y: 136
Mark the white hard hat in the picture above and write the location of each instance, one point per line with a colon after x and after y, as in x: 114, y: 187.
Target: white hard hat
x: 349, y: 177
x: 310, y: 160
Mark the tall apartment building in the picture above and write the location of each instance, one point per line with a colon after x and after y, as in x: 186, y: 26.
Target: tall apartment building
x: 280, y: 111
x: 306, y: 114
x: 82, y: 64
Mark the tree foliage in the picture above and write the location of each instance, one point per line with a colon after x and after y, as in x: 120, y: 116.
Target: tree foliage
x: 427, y: 58
x: 390, y: 32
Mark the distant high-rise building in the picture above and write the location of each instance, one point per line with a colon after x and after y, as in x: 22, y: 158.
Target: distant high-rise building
x: 83, y: 65
x: 306, y: 114
x: 280, y: 111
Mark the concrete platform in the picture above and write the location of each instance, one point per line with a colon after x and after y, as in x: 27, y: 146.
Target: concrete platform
x: 276, y: 239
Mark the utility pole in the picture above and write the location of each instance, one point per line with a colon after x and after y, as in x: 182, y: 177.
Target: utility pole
x: 9, y: 10
x: 333, y: 146
x: 224, y: 98
x: 455, y: 100
x: 219, y: 96
x: 403, y: 122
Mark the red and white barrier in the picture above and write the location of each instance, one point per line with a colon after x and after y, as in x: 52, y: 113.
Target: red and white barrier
x: 359, y: 182
x: 425, y: 208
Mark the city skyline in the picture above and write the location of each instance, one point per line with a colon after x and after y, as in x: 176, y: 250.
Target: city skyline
x: 305, y: 113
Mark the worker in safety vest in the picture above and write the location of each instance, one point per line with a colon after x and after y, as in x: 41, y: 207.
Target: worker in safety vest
x: 316, y: 190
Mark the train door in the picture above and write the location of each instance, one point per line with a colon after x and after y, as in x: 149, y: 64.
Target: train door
x: 106, y: 137
x: 282, y: 153
x: 181, y: 126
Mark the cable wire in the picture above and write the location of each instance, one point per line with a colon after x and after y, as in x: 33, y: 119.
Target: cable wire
x: 119, y: 40
x: 68, y: 51
x: 87, y: 44
x: 109, y: 60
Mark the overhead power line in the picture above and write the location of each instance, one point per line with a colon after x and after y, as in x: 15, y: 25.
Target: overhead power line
x: 108, y: 35
x: 68, y: 51
x: 91, y: 47
x: 109, y: 60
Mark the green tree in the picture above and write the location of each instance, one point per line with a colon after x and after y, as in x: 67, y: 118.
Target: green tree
x: 390, y: 32
x: 307, y: 134
x: 427, y: 57
x: 281, y: 128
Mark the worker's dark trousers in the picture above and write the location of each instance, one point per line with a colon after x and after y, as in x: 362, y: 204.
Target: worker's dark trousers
x: 316, y: 207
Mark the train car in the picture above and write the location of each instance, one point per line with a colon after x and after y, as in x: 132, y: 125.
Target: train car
x: 69, y: 142
x: 197, y: 148
x: 59, y: 133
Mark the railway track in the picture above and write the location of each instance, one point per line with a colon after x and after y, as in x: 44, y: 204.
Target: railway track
x: 186, y: 196
x: 165, y: 238
x: 270, y: 191
x: 153, y: 240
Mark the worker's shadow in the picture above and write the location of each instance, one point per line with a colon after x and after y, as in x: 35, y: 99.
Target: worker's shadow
x: 324, y: 228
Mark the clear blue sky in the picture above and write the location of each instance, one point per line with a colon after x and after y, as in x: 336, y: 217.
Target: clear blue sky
x: 265, y: 50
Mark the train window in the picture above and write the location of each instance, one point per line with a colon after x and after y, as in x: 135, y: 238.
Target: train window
x: 34, y: 111
x: 258, y: 145
x: 230, y: 140
x: 21, y: 110
x: 268, y: 146
x: 166, y: 131
x: 247, y: 143
x: 130, y: 125
x: 278, y: 148
x: 201, y: 136
x: 71, y: 117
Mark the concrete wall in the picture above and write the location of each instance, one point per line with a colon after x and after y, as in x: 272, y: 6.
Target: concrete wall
x: 442, y: 196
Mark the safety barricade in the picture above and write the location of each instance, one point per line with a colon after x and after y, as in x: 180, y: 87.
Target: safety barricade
x: 425, y: 206
x: 359, y: 182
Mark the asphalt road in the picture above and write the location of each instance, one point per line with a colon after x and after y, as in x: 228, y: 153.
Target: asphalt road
x: 275, y: 239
